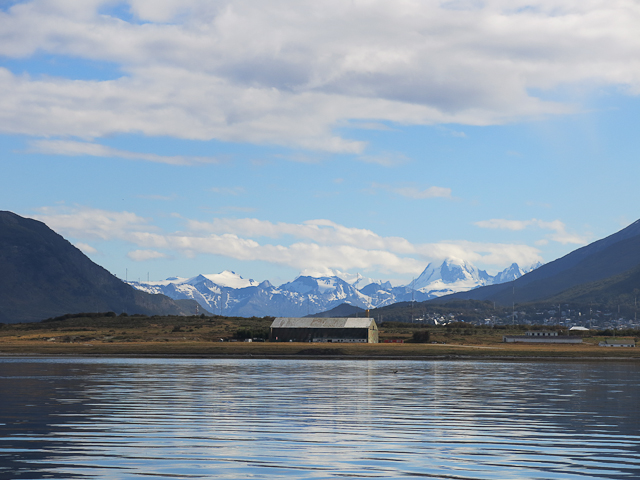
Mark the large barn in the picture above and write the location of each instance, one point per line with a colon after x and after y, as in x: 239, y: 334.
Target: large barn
x: 339, y: 330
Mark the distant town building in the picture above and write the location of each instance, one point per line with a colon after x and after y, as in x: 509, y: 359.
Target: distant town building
x: 617, y: 342
x: 578, y: 329
x: 337, y: 330
x: 542, y: 336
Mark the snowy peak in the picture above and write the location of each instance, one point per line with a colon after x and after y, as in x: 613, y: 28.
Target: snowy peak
x: 509, y: 274
x: 513, y: 272
x: 318, y: 285
x: 376, y: 287
x: 455, y: 275
x: 227, y: 279
x: 428, y: 275
x: 536, y: 265
x: 452, y: 270
x: 354, y: 279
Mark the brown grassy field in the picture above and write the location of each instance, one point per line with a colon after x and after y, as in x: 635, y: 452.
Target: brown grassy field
x: 200, y: 336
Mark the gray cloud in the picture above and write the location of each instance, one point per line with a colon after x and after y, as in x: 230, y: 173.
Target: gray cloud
x: 287, y: 73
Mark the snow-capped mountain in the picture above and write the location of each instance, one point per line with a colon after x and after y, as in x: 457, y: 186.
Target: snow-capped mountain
x: 509, y: 274
x: 453, y: 275
x: 215, y: 293
x: 227, y: 293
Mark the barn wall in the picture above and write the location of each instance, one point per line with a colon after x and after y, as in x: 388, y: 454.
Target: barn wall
x: 359, y: 335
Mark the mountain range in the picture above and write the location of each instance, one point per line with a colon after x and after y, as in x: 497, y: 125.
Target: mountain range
x: 42, y: 275
x: 227, y: 293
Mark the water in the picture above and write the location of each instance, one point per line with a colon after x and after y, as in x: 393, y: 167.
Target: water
x: 259, y: 419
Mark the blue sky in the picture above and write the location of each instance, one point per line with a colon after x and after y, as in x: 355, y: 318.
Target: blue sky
x: 168, y: 138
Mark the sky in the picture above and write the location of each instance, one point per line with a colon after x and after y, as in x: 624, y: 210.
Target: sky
x: 175, y: 138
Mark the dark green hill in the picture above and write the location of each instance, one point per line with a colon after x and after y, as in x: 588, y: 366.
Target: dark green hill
x: 341, y: 311
x: 605, y: 258
x: 622, y: 289
x: 42, y: 275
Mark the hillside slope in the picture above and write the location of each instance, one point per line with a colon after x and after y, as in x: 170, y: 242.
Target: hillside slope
x: 42, y: 275
x: 599, y: 260
x: 622, y: 289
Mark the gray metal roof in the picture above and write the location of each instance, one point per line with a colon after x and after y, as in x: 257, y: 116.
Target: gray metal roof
x: 291, y: 322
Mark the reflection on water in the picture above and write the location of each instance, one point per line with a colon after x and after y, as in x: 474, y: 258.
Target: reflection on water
x: 182, y: 418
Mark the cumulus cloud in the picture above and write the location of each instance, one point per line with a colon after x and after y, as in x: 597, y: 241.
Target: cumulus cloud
x: 74, y: 149
x: 241, y: 70
x: 83, y: 222
x: 323, y: 232
x: 315, y: 244
x: 558, y: 228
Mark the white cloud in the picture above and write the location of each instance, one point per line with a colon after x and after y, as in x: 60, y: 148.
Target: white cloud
x: 86, y: 248
x: 82, y: 222
x: 74, y: 149
x: 502, y: 224
x: 324, y: 232
x: 413, y: 192
x: 315, y: 244
x: 241, y: 70
x: 142, y: 255
x: 558, y: 228
x: 561, y: 235
x: 498, y: 255
x: 234, y: 191
x: 431, y: 192
x: 385, y: 160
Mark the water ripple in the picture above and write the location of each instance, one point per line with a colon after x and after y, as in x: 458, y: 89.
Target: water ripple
x: 227, y: 419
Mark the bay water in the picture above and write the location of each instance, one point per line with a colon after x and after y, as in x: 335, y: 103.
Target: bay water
x: 123, y: 418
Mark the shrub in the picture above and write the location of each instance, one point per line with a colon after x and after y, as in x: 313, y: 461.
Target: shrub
x: 421, y: 336
x: 244, y: 333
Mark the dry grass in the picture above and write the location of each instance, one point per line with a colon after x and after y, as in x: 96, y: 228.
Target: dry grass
x: 196, y: 336
x: 274, y: 350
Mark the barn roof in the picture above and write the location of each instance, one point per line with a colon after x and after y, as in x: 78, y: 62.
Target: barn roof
x: 290, y: 322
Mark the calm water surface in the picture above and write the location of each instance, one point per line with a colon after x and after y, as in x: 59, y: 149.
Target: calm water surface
x: 240, y: 419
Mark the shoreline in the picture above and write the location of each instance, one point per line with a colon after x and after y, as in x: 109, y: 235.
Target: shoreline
x: 304, y: 351
x: 334, y: 358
